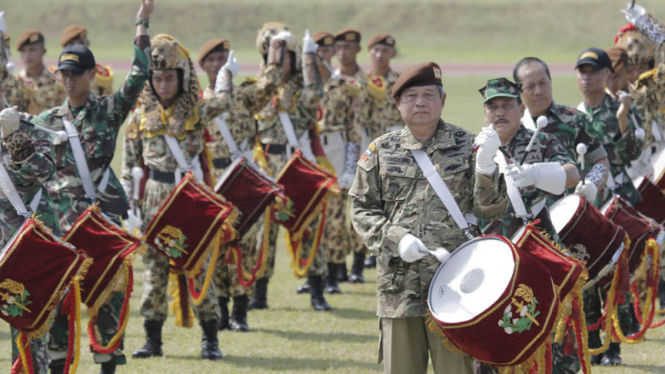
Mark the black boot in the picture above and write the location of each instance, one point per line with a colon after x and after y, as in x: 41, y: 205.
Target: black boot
x: 239, y: 316
x: 595, y: 342
x: 209, y: 343
x: 319, y: 302
x: 342, y: 272
x: 224, y: 306
x: 332, y: 284
x: 612, y: 357
x: 303, y: 288
x: 357, y: 268
x: 260, y: 298
x: 57, y: 366
x: 370, y: 262
x: 153, y: 342
x: 108, y: 368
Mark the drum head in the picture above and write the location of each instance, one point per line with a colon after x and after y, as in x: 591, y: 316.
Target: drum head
x: 472, y: 280
x: 563, y: 211
x: 608, y: 205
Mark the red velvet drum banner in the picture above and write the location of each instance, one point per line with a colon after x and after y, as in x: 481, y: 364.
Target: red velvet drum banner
x: 653, y: 201
x: 494, y: 301
x: 35, y: 271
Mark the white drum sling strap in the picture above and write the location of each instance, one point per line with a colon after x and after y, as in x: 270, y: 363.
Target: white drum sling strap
x: 82, y: 164
x: 183, y: 165
x: 13, y: 196
x: 441, y: 190
x: 303, y: 143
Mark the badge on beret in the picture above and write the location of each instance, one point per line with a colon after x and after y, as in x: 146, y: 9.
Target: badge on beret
x: 225, y: 45
x: 34, y: 38
x: 328, y: 40
x: 350, y: 37
x: 437, y: 72
x: 390, y: 41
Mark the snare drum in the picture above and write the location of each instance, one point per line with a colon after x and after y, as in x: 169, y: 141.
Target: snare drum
x: 490, y: 292
x: 589, y: 236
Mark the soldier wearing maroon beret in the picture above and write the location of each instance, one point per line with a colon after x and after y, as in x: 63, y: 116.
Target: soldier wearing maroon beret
x: 102, y: 85
x: 212, y: 56
x: 326, y: 50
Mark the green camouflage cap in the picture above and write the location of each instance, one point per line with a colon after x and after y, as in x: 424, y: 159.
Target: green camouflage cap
x: 500, y: 87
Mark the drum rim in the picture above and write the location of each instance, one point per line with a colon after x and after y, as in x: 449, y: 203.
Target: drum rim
x: 580, y: 207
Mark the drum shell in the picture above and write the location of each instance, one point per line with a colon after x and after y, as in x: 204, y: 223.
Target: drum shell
x: 653, y: 201
x: 594, y: 239
x: 482, y: 337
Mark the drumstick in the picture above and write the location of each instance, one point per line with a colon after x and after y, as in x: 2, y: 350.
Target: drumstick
x: 581, y: 150
x: 59, y: 135
x: 541, y: 122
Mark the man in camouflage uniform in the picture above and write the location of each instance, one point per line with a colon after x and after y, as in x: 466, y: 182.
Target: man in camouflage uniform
x: 340, y: 138
x: 299, y: 93
x: 347, y: 46
x: 28, y: 159
x: 399, y: 216
x: 611, y: 121
x: 569, y: 126
x: 35, y: 89
x: 169, y: 107
x: 248, y: 98
x: 97, y: 121
x: 103, y: 83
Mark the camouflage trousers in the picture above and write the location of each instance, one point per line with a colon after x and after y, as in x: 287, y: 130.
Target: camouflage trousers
x: 339, y: 238
x: 154, y: 303
x: 38, y: 349
x: 563, y: 363
x: 593, y: 308
x: 108, y: 322
x: 318, y: 267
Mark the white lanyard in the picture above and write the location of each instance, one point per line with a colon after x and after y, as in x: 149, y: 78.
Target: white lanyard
x: 82, y: 165
x: 441, y: 190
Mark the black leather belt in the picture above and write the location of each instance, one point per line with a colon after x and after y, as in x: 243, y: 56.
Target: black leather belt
x: 274, y: 149
x: 221, y: 163
x: 162, y: 176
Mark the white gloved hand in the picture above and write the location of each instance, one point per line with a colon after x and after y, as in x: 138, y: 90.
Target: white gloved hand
x: 411, y: 248
x: 283, y: 35
x: 547, y: 176
x: 133, y: 222
x: 3, y: 24
x: 588, y: 190
x: 488, y: 143
x: 308, y: 44
x: 345, y: 181
x: 9, y: 121
x: 632, y: 13
x: 231, y: 64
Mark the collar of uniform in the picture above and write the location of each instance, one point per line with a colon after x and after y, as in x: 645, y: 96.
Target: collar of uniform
x: 555, y: 111
x: 443, y: 138
x: 64, y: 110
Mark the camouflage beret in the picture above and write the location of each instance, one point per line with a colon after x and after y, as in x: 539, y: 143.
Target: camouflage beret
x: 348, y: 35
x: 324, y: 38
x: 29, y: 37
x: 500, y: 87
x: 213, y: 45
x: 384, y: 39
x: 72, y: 32
x: 618, y: 56
x: 425, y: 74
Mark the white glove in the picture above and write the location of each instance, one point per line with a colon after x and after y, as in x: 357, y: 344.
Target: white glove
x: 547, y: 176
x: 640, y: 134
x: 9, y: 121
x: 3, y: 25
x: 345, y: 181
x: 308, y: 44
x: 632, y: 13
x: 488, y: 143
x: 411, y: 248
x: 133, y: 222
x: 283, y: 35
x: 231, y: 64
x: 588, y: 190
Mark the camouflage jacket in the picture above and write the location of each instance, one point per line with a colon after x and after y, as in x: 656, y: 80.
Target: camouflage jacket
x: 301, y: 103
x: 546, y: 148
x: 383, y: 110
x: 98, y: 123
x: 621, y: 148
x: 340, y: 106
x: 248, y: 98
x: 32, y: 94
x: 391, y: 197
x: 29, y: 177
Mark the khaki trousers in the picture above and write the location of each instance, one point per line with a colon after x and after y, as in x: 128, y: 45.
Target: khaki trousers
x: 406, y: 345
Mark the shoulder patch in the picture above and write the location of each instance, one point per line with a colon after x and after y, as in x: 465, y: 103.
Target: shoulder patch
x: 368, y: 152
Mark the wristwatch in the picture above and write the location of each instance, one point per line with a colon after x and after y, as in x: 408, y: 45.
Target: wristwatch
x: 144, y: 22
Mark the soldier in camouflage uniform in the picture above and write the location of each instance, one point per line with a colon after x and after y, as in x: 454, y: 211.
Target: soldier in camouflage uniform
x: 614, y: 123
x: 347, y: 46
x: 299, y: 93
x: 547, y: 167
x: 29, y: 160
x: 103, y: 83
x: 248, y: 98
x: 399, y: 216
x: 97, y: 121
x: 35, y: 89
x: 569, y: 126
x: 340, y: 138
x: 169, y: 107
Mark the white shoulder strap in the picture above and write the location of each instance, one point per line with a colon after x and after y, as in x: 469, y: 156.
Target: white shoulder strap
x: 183, y: 166
x: 582, y: 108
x: 513, y: 192
x: 220, y: 121
x: 442, y: 191
x: 527, y: 120
x: 11, y: 193
x: 79, y: 159
x: 290, y: 132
